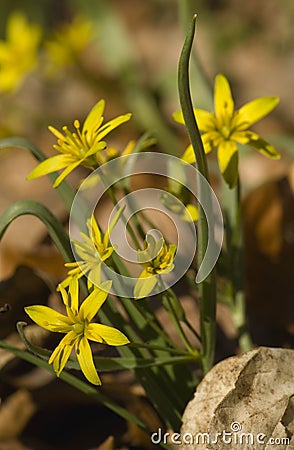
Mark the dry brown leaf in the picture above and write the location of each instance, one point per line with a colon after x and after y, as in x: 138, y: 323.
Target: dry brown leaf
x: 15, y: 413
x: 108, y: 444
x: 250, y: 394
x: 269, y: 256
x: 13, y: 444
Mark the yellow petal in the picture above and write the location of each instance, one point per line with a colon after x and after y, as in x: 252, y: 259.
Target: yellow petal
x: 62, y: 352
x: 103, y: 333
x: 254, y: 140
x: 85, y: 360
x: 223, y: 101
x: 178, y: 117
x: 228, y: 162
x: 73, y: 295
x: 152, y: 248
x: 94, y: 301
x: 94, y: 230
x: 205, y: 120
x: 144, y: 285
x: 112, y: 225
x: 255, y: 110
x: 49, y: 319
x: 190, y: 214
x: 66, y: 172
x: 112, y: 124
x: 94, y: 118
x: 97, y: 147
x: 129, y: 148
x: 189, y: 155
x: 50, y: 165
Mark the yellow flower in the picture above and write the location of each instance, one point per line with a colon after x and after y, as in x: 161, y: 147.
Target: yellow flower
x: 81, y: 147
x: 69, y: 41
x: 225, y: 127
x: 157, y: 258
x: 18, y: 53
x: 79, y: 329
x: 93, y: 251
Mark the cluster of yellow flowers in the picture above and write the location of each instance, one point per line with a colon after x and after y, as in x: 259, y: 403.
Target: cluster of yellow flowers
x: 222, y: 129
x: 19, y: 52
x: 84, y: 147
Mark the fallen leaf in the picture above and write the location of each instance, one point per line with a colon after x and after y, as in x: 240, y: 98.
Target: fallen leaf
x: 15, y: 413
x: 250, y: 394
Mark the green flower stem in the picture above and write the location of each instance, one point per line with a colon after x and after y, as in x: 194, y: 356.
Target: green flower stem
x: 178, y: 352
x: 177, y: 314
x: 113, y: 198
x: 158, y: 382
x: 167, y: 302
x: 207, y: 287
x: 154, y: 379
x: 237, y: 269
x: 192, y: 329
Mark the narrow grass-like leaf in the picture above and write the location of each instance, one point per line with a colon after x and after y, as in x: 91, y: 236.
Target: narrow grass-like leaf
x: 54, y: 227
x: 64, y: 190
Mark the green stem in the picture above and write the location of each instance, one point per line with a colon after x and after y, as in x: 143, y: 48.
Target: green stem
x: 239, y: 309
x: 113, y: 198
x: 177, y: 314
x: 207, y: 287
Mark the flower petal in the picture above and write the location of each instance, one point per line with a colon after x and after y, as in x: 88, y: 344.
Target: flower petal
x: 105, y: 334
x: 49, y: 319
x: 94, y: 230
x: 97, y: 147
x: 73, y: 295
x: 223, y: 101
x: 94, y: 301
x: 85, y: 360
x: 205, y: 119
x: 264, y: 147
x: 228, y: 162
x: 256, y: 110
x: 112, y: 225
x: 178, y: 117
x: 66, y: 172
x: 189, y: 155
x: 94, y: 118
x: 62, y: 352
x: 50, y: 165
x: 192, y: 213
x: 112, y: 124
x: 144, y: 285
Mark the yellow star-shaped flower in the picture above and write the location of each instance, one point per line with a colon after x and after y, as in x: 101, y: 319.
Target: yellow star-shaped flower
x: 80, y: 147
x: 79, y: 328
x: 225, y: 127
x: 69, y: 41
x: 18, y: 53
x: 157, y: 258
x: 92, y: 252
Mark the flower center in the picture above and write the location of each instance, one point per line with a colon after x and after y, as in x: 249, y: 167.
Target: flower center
x: 78, y: 327
x: 225, y: 131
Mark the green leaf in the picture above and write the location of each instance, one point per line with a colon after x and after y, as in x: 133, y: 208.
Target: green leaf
x: 54, y: 227
x: 64, y: 190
